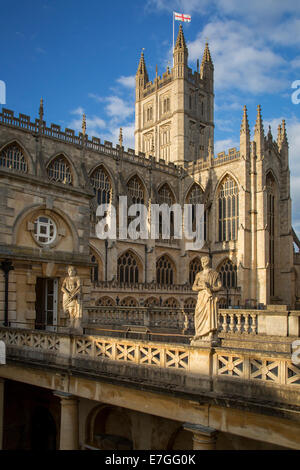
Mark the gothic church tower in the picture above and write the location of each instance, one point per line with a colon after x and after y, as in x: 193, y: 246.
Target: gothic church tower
x: 174, y: 114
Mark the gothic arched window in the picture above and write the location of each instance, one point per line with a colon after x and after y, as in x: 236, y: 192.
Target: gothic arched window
x: 165, y: 196
x: 59, y: 171
x: 165, y: 271
x: 228, y: 274
x: 12, y: 158
x: 136, y: 191
x: 195, y: 196
x: 128, y: 269
x: 195, y: 267
x: 101, y: 184
x: 228, y: 206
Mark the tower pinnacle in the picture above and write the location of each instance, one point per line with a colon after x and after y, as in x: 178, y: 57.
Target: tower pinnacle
x: 259, y: 128
x: 245, y: 129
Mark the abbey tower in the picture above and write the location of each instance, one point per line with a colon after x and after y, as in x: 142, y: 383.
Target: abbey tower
x: 174, y: 114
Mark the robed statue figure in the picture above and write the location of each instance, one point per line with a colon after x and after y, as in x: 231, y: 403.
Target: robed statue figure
x: 207, y: 284
x: 71, y: 289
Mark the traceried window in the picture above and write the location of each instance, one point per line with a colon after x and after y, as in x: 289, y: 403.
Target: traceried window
x: 165, y: 271
x: 102, y: 185
x: 165, y: 143
x: 128, y: 269
x: 194, y: 197
x: 136, y: 191
x: 59, y: 171
x: 195, y: 267
x: 228, y: 207
x: 148, y: 142
x: 166, y: 105
x: 44, y: 230
x: 165, y: 196
x: 271, y: 229
x: 228, y: 274
x: 12, y: 158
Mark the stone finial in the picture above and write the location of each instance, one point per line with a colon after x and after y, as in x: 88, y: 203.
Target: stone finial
x: 83, y: 125
x: 180, y: 41
x: 41, y: 110
x: 245, y: 129
x: 279, y: 135
x: 142, y: 67
x: 259, y: 128
x: 283, y: 133
x: 206, y: 55
x: 270, y: 136
x: 121, y: 137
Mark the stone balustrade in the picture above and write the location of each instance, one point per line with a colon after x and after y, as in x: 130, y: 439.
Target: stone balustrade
x: 94, y: 352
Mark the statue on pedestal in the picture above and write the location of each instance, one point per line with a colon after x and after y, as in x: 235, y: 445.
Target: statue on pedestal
x: 71, y: 289
x: 207, y: 283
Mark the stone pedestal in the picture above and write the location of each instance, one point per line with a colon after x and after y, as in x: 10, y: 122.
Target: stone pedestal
x: 1, y: 411
x: 204, y: 438
x: 69, y: 424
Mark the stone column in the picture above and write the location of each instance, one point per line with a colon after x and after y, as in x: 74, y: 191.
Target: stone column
x: 1, y: 411
x: 69, y: 423
x: 204, y: 438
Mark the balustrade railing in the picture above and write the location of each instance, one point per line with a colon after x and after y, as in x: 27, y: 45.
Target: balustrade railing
x: 49, y: 348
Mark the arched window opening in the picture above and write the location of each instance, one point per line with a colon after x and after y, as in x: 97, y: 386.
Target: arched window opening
x: 165, y: 271
x: 171, y: 303
x: 228, y: 274
x: 101, y: 184
x: 195, y: 196
x: 59, y: 171
x: 165, y: 196
x: 12, y: 158
x: 129, y: 302
x: 136, y: 191
x: 195, y: 267
x: 151, y: 302
x: 128, y: 269
x: 105, y: 302
x: 228, y: 204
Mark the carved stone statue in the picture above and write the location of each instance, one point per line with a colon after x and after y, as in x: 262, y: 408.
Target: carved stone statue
x: 207, y: 283
x: 71, y: 289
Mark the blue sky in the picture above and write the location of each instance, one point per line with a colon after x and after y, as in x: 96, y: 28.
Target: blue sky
x: 82, y: 56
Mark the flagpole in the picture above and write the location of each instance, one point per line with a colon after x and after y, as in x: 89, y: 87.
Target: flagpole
x: 173, y: 40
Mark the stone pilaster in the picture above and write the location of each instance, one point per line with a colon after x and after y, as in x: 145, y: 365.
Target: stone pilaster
x: 69, y: 425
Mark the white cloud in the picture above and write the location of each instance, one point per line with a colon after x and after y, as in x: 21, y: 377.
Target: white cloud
x: 242, y: 61
x: 224, y: 145
x: 94, y: 124
x: 115, y: 107
x: 127, y: 82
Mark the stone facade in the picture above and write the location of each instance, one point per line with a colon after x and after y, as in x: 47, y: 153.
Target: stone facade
x: 46, y: 172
